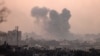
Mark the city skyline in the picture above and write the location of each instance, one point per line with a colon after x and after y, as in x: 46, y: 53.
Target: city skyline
x: 49, y: 27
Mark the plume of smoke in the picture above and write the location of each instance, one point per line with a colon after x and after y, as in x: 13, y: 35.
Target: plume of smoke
x: 58, y: 26
x: 39, y: 12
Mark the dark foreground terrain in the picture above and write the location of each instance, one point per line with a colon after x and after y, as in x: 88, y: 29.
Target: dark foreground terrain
x: 7, y: 50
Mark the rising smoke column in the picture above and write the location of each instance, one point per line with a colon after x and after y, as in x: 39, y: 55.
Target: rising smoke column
x: 58, y: 26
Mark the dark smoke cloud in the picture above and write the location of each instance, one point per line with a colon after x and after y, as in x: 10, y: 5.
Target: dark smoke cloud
x: 58, y: 25
x: 39, y: 12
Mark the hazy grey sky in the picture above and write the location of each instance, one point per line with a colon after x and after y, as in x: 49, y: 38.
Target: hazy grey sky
x: 85, y: 14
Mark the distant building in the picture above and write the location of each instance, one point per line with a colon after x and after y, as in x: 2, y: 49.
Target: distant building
x: 14, y: 36
x: 3, y: 37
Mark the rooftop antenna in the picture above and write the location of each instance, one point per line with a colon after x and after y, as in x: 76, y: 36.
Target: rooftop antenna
x: 16, y: 28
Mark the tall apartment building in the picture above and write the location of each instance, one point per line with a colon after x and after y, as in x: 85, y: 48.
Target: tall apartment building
x: 14, y: 36
x: 3, y: 37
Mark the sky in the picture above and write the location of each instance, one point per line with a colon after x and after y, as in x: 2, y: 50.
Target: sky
x: 85, y: 15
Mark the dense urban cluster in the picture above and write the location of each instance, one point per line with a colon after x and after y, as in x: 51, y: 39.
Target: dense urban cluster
x: 8, y: 50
